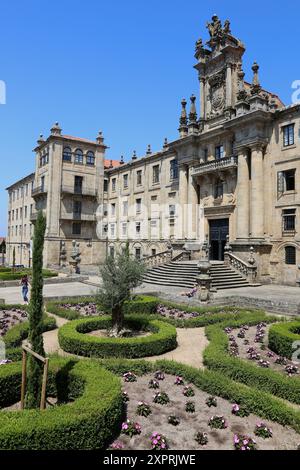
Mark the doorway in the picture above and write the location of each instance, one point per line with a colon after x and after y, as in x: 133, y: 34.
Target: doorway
x: 218, y: 231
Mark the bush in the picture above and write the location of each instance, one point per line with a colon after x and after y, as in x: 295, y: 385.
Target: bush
x: 88, y: 421
x: 216, y: 357
x: 141, y: 304
x: 7, y: 274
x: 72, y: 338
x: 282, y: 336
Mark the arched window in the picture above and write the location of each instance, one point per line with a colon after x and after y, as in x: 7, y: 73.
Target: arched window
x: 290, y: 255
x: 67, y: 154
x: 79, y: 156
x: 90, y: 158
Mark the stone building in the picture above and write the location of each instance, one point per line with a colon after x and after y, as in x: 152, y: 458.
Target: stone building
x: 229, y: 180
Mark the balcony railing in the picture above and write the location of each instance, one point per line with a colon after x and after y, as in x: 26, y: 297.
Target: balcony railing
x: 39, y: 190
x: 79, y: 190
x: 78, y: 216
x: 223, y: 163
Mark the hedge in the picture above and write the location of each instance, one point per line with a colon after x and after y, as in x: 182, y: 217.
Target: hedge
x: 88, y: 416
x: 282, y: 336
x: 72, y: 338
x: 9, y: 275
x: 216, y: 357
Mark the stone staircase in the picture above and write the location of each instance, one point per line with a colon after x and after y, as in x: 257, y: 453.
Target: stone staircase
x: 183, y: 274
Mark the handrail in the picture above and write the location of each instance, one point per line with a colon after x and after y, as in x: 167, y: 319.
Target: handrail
x: 249, y: 270
x: 158, y: 259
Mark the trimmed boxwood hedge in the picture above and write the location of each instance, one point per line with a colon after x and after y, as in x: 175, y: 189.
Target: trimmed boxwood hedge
x: 88, y: 417
x: 216, y: 357
x: 72, y: 338
x: 282, y: 336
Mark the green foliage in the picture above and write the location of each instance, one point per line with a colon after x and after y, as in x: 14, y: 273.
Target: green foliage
x: 282, y: 336
x: 216, y: 357
x: 119, y: 276
x: 89, y: 421
x: 35, y: 310
x: 10, y: 274
x: 73, y: 338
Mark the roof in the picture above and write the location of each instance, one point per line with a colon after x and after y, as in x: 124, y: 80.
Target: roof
x: 87, y: 141
x: 273, y: 95
x: 26, y: 178
x: 111, y: 164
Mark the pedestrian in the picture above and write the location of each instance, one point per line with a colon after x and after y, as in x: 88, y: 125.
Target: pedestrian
x: 24, y: 284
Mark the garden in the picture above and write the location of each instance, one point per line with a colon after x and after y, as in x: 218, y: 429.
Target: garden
x: 15, y: 274
x: 105, y: 393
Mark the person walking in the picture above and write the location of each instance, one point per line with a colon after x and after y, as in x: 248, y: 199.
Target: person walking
x: 24, y: 284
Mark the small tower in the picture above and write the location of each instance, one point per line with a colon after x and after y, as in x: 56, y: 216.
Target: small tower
x: 100, y: 138
x: 134, y: 157
x: 55, y: 129
x: 149, y: 151
x: 193, y: 126
x: 41, y: 140
x: 255, y: 87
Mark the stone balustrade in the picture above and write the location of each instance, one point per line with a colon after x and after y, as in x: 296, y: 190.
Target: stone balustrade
x: 223, y: 163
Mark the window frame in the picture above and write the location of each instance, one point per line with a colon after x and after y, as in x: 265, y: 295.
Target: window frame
x: 288, y: 134
x: 67, y: 156
x: 78, y: 157
x: 290, y: 255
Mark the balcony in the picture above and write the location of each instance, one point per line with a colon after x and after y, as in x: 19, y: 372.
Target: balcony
x: 76, y: 216
x: 215, y: 165
x: 33, y: 216
x: 39, y: 191
x: 79, y: 191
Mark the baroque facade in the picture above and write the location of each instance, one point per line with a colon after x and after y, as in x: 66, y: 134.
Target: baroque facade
x: 230, y: 177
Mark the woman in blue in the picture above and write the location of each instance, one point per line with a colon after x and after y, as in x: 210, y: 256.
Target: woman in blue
x: 24, y: 284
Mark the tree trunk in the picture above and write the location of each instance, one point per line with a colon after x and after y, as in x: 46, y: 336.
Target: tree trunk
x: 117, y: 320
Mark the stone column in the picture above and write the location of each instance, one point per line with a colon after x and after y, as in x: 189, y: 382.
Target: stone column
x: 257, y: 193
x: 228, y: 86
x: 242, y: 200
x: 202, y: 98
x: 183, y: 197
x: 192, y: 222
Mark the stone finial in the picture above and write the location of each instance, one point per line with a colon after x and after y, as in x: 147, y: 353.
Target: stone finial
x: 242, y: 93
x: 183, y: 129
x: 149, y: 151
x: 199, y: 49
x: 134, y: 157
x: 255, y: 87
x: 100, y: 138
x: 41, y: 139
x: 227, y: 29
x: 193, y: 111
x: 166, y: 145
x: 122, y: 160
x: 55, y: 129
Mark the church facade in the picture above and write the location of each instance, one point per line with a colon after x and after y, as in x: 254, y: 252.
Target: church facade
x: 230, y: 181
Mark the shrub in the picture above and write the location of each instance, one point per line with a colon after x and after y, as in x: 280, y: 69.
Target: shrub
x: 88, y: 421
x: 72, y: 338
x: 282, y: 336
x: 216, y: 357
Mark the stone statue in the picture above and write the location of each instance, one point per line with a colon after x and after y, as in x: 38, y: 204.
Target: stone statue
x: 215, y: 27
x: 199, y: 49
x: 227, y: 29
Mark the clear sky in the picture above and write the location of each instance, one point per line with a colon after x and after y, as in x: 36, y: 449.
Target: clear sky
x: 122, y: 67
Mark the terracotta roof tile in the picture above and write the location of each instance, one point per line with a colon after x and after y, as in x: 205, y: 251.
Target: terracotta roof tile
x: 111, y: 163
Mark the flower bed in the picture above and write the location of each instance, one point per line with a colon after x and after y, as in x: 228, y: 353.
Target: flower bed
x: 11, y: 316
x: 220, y: 356
x: 173, y: 426
x: 89, y: 418
x: 73, y: 338
x: 282, y: 336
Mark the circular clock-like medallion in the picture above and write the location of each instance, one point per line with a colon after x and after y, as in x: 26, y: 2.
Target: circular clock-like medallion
x: 218, y: 98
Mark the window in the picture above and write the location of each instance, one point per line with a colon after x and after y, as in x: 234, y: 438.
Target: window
x: 138, y: 228
x: 288, y: 135
x: 124, y: 229
x: 105, y: 210
x: 25, y: 212
x: 67, y: 154
x: 153, y: 251
x: 172, y: 210
x: 219, y: 152
x: 79, y: 157
x: 105, y: 229
x: 78, y: 184
x: 113, y: 184
x: 289, y: 219
x: 139, y: 177
x: 105, y: 187
x: 173, y: 169
x: 112, y: 251
x: 125, y: 181
x: 138, y: 253
x: 155, y: 174
x: 218, y: 189
x: 138, y: 206
x: 42, y: 184
x: 153, y: 198
x: 125, y: 208
x: 21, y: 212
x: 113, y: 210
x: 13, y: 215
x: 77, y: 206
x: 205, y: 155
x: 17, y: 214
x: 76, y: 228
x: 90, y: 158
x: 26, y: 190
x: 290, y: 255
x: 112, y: 230
x: 286, y: 181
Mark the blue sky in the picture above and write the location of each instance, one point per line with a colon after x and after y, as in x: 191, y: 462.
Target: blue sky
x: 121, y: 67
